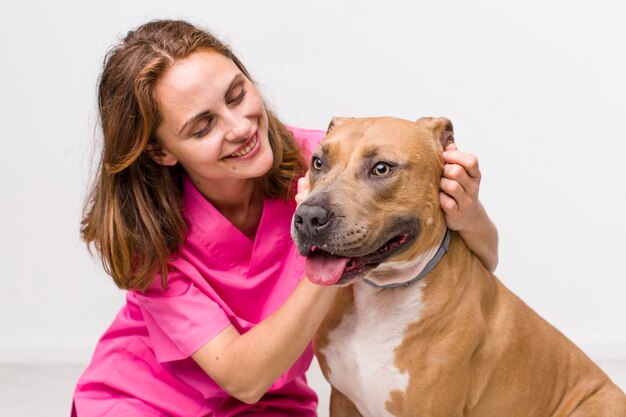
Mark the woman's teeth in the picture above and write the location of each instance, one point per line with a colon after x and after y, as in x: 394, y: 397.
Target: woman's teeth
x: 246, y: 149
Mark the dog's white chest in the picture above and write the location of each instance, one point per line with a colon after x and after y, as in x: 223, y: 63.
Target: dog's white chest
x: 361, y: 353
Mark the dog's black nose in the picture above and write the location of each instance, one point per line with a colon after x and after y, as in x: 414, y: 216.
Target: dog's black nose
x: 311, y: 220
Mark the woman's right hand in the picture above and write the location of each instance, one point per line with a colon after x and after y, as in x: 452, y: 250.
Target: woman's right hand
x: 303, y: 188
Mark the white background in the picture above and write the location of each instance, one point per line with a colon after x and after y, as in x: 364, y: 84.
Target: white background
x: 536, y: 89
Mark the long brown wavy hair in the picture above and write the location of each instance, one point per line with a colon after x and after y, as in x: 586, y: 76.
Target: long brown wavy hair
x: 133, y: 214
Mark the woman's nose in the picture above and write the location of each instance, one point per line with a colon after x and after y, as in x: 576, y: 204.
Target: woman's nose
x: 236, y: 127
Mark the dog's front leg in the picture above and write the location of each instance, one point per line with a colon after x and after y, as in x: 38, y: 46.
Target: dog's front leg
x: 341, y: 406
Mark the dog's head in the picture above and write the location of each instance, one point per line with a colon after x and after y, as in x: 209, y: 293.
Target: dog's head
x: 373, y: 204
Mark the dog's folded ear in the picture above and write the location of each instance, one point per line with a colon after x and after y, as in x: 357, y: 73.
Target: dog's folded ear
x: 337, y: 121
x: 441, y: 127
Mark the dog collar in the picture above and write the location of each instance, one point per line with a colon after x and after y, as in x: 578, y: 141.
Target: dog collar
x: 429, y: 266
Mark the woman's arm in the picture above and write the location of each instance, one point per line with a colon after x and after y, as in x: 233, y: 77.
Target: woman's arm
x: 246, y: 365
x: 463, y: 211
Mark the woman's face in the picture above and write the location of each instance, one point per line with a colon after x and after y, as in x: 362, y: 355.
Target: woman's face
x: 213, y: 121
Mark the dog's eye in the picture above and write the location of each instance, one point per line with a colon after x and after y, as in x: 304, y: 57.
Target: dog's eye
x: 381, y: 169
x: 317, y: 163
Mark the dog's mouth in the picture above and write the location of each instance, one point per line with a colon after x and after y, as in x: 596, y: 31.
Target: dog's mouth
x: 324, y: 268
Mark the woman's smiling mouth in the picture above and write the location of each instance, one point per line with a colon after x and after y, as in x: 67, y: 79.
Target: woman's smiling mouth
x: 246, y: 148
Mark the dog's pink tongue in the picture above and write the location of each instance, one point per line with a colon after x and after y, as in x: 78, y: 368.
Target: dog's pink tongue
x: 325, y: 269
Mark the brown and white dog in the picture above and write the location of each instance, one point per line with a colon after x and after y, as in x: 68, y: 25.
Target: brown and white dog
x: 420, y: 327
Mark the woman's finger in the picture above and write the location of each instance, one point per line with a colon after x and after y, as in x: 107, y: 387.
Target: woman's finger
x: 457, y: 173
x: 455, y: 191
x: 451, y: 147
x: 303, y: 188
x: 448, y: 204
x: 468, y: 161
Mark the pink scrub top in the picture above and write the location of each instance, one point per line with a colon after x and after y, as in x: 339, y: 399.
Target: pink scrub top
x: 142, y: 364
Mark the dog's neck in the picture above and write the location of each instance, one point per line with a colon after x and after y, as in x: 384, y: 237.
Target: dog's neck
x: 410, y: 272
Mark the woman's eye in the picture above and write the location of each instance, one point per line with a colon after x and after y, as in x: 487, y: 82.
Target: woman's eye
x: 381, y: 169
x: 317, y: 163
x: 237, y: 99
x: 204, y: 130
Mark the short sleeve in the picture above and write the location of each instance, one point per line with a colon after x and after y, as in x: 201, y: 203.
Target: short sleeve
x: 181, y: 319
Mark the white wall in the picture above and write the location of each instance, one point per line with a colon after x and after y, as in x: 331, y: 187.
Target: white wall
x: 536, y: 89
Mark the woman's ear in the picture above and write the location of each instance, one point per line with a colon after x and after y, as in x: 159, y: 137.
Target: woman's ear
x: 160, y: 155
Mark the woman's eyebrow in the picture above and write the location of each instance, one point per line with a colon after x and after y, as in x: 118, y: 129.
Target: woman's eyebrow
x: 236, y: 79
x: 206, y: 113
x: 200, y: 115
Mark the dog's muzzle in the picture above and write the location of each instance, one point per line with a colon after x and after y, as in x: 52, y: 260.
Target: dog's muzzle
x: 311, y: 221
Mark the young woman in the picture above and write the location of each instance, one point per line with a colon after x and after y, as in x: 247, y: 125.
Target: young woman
x: 190, y: 212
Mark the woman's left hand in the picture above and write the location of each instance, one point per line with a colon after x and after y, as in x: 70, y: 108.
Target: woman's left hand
x: 459, y: 189
x: 462, y: 209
